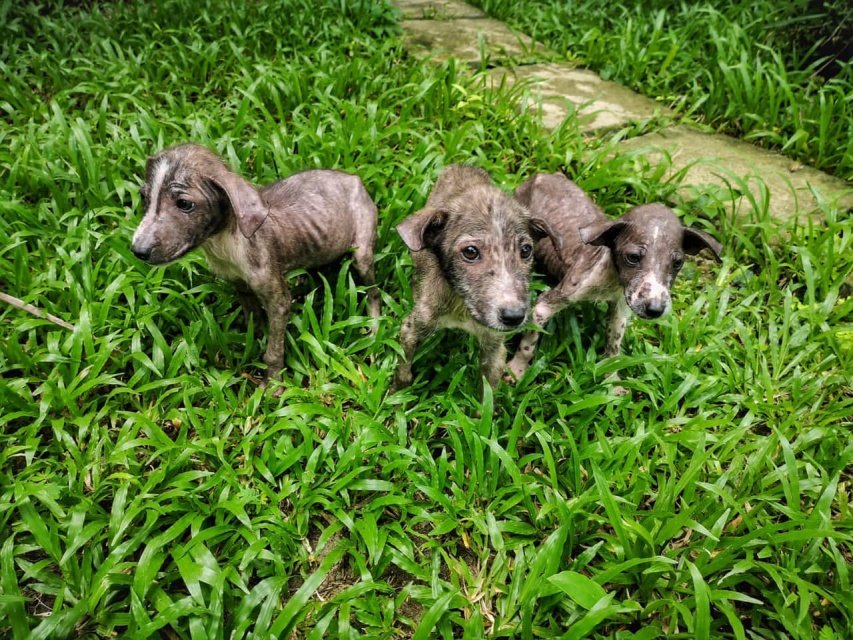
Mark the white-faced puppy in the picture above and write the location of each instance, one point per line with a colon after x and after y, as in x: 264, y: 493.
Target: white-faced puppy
x: 630, y: 262
x: 252, y: 236
x: 472, y: 247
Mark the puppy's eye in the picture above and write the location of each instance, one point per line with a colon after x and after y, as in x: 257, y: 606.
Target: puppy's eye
x: 526, y: 251
x: 471, y: 254
x: 633, y: 259
x: 677, y: 263
x: 184, y: 205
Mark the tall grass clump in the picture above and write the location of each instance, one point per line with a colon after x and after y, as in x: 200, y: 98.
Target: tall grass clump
x: 731, y: 65
x: 149, y: 488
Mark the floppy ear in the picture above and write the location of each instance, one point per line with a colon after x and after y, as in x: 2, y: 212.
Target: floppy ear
x: 540, y: 229
x: 150, y: 164
x: 419, y: 228
x: 602, y: 233
x: 246, y: 202
x: 693, y: 241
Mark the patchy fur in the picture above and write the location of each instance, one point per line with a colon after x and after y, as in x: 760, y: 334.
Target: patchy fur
x: 472, y: 247
x: 630, y: 262
x: 252, y: 236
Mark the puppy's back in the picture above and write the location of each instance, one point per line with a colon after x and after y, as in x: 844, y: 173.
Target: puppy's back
x: 315, y: 215
x: 566, y: 208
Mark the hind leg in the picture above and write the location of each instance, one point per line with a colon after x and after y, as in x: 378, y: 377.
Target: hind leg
x: 366, y: 217
x: 251, y: 306
x: 363, y: 263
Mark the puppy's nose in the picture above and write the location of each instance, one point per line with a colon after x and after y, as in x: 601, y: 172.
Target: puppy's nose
x: 143, y: 253
x: 512, y: 316
x: 655, y: 309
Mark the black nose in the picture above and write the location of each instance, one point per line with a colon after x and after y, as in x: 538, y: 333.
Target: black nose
x: 512, y: 317
x: 655, y: 309
x: 143, y: 253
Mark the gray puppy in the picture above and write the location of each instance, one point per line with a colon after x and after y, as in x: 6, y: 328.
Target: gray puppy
x: 630, y: 262
x: 252, y: 236
x: 472, y: 248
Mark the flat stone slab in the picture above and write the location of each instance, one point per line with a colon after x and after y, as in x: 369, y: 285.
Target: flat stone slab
x: 558, y: 90
x: 715, y: 159
x: 460, y: 39
x: 437, y: 9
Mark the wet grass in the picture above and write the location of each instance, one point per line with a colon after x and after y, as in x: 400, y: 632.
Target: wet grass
x: 148, y: 488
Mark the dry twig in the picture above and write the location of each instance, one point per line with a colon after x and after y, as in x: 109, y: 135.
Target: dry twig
x: 20, y: 304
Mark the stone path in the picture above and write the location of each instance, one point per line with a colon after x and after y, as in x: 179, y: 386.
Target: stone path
x: 450, y: 28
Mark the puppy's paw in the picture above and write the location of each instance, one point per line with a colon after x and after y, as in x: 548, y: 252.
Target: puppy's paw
x: 516, y: 369
x: 264, y: 383
x: 277, y: 387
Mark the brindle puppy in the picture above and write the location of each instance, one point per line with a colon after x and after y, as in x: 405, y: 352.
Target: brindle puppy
x: 252, y: 236
x: 472, y: 247
x: 630, y: 262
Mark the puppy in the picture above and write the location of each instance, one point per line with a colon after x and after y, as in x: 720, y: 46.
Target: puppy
x: 472, y: 248
x: 252, y: 236
x: 631, y: 262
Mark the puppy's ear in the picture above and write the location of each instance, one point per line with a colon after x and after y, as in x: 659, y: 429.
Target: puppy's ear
x: 693, y: 241
x: 602, y: 234
x: 150, y: 166
x: 246, y: 202
x: 540, y: 229
x: 419, y: 229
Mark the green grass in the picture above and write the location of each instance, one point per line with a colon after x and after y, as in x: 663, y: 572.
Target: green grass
x: 148, y: 488
x: 731, y: 65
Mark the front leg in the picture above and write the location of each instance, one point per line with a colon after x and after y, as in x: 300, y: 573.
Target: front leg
x: 414, y: 329
x: 548, y: 304
x: 492, y: 359
x: 618, y: 315
x: 275, y: 297
x: 251, y: 305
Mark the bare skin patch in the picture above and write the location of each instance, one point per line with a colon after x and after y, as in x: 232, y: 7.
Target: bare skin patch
x: 472, y: 247
x: 253, y: 235
x: 630, y: 263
